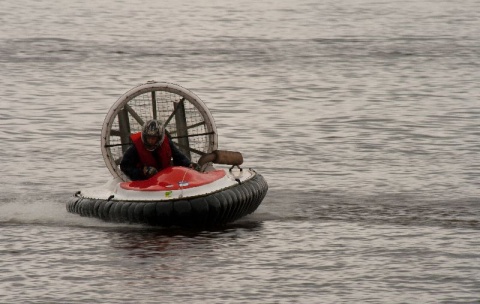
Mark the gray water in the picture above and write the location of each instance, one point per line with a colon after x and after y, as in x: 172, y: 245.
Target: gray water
x: 363, y: 116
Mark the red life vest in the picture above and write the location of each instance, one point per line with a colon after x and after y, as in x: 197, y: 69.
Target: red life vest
x: 164, y: 153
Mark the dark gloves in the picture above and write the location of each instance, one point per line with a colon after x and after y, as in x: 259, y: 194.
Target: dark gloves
x: 194, y: 166
x: 149, y: 171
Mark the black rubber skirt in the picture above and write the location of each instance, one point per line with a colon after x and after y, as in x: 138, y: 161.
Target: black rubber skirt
x: 214, y: 209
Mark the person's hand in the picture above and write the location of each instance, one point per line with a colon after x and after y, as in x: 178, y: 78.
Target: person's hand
x: 149, y: 171
x: 193, y: 166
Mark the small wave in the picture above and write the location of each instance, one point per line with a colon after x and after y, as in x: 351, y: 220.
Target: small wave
x: 22, y: 210
x: 389, y: 208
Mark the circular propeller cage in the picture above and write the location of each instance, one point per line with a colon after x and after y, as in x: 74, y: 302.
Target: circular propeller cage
x: 187, y: 121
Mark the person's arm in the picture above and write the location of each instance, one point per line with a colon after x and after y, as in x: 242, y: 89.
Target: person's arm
x: 129, y: 164
x: 179, y: 159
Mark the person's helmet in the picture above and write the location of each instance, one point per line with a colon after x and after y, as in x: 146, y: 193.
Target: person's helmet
x: 153, y: 134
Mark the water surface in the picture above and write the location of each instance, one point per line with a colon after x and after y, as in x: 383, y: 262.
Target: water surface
x: 363, y: 116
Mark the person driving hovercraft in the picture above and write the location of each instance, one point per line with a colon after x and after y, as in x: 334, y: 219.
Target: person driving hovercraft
x: 150, y: 152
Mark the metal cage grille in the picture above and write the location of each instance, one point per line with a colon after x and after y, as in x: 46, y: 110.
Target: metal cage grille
x: 186, y: 119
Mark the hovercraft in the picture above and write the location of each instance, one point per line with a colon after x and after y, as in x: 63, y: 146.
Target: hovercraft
x: 176, y: 196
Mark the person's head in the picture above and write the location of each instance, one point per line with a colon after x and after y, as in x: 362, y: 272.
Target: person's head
x: 153, y: 134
